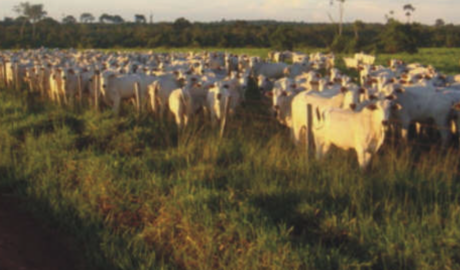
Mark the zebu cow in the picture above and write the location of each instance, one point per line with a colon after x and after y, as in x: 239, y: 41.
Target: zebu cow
x: 362, y: 131
x: 116, y: 87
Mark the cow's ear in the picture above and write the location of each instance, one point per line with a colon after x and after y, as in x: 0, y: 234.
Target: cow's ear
x: 219, y: 96
x: 371, y: 107
x: 400, y: 90
x: 390, y: 97
x: 353, y: 106
x: 456, y: 106
x: 373, y: 97
x: 269, y: 94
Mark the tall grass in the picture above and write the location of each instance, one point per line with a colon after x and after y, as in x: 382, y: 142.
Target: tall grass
x: 139, y: 194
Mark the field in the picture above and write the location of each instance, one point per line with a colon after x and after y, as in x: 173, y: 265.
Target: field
x: 138, y: 194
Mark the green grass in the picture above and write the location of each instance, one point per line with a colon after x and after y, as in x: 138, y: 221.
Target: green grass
x: 138, y: 194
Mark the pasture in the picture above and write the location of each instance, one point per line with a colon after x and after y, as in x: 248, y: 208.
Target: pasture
x: 139, y: 194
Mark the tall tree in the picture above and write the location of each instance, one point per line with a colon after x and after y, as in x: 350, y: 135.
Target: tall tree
x: 341, y: 13
x: 409, y: 9
x: 117, y: 19
x: 105, y: 18
x: 33, y: 14
x: 69, y: 19
x: 439, y: 23
x: 86, y: 17
x: 22, y: 9
x: 390, y: 16
x: 139, y: 18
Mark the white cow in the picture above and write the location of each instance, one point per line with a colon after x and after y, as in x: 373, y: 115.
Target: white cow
x: 269, y: 70
x: 56, y: 85
x: 180, y: 105
x: 216, y: 100
x: 362, y: 131
x: 297, y: 69
x: 116, y: 87
x: 159, y: 92
x: 420, y: 104
x: 320, y: 101
x: 282, y: 95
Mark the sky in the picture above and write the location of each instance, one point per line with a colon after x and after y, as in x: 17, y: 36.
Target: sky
x: 427, y: 11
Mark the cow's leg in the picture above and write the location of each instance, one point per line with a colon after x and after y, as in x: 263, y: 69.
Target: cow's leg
x: 185, y: 117
x: 405, y: 129
x: 213, y: 119
x: 444, y: 129
x: 116, y: 105
x: 366, y: 158
x: 362, y: 161
x: 418, y: 129
x: 178, y: 120
x: 321, y: 149
x: 57, y: 97
x: 66, y: 100
x: 445, y: 134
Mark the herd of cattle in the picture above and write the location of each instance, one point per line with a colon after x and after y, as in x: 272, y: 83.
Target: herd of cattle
x: 344, y: 112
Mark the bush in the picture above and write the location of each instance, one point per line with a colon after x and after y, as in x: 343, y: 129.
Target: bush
x: 282, y: 38
x: 398, y: 37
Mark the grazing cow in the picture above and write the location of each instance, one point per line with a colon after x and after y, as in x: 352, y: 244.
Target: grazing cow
x: 180, y: 105
x: 269, y: 70
x: 362, y: 131
x: 282, y: 95
x: 116, y: 87
x: 216, y: 100
x: 320, y: 101
x: 297, y: 69
x: 351, y: 63
x: 264, y: 84
x: 421, y: 104
x: 69, y: 79
x: 159, y: 92
x: 56, y: 85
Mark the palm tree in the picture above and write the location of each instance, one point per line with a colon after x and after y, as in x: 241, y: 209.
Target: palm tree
x: 409, y: 9
x: 341, y: 12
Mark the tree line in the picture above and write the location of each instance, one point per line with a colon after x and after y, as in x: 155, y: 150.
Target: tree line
x: 111, y: 31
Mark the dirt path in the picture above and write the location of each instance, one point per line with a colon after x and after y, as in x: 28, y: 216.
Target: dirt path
x: 26, y: 245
